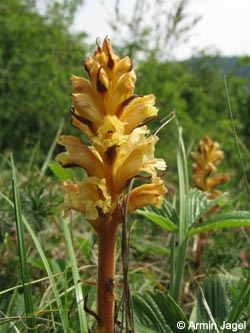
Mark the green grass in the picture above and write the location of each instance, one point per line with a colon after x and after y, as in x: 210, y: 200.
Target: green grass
x: 27, y: 292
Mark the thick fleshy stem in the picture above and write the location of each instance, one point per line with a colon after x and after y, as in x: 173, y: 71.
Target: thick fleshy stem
x: 106, y: 274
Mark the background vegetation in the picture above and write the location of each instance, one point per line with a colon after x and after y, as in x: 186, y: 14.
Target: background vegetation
x: 38, y: 54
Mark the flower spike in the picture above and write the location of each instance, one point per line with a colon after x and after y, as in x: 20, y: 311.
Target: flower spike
x: 113, y: 118
x: 206, y: 161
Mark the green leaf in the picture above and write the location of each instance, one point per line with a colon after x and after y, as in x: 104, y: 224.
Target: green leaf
x: 164, y: 216
x: 212, y: 302
x: 226, y: 220
x: 60, y: 172
x: 169, y: 211
x: 158, y: 312
x: 160, y: 220
x: 198, y: 203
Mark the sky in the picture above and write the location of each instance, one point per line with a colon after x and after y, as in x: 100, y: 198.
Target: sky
x: 224, y: 26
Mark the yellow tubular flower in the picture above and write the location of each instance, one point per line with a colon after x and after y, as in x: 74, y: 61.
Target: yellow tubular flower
x: 78, y: 154
x: 136, y: 156
x: 90, y: 197
x: 147, y: 194
x: 136, y: 109
x: 113, y: 118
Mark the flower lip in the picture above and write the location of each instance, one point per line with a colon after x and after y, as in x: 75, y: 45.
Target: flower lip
x: 78, y: 154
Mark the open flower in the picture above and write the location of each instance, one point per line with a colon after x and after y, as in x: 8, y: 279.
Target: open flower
x: 78, y: 154
x: 136, y: 156
x: 146, y: 195
x: 90, y: 197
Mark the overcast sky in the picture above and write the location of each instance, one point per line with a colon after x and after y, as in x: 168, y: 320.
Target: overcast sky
x: 225, y: 24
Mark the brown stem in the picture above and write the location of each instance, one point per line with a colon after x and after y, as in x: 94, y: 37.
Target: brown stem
x: 199, y: 251
x: 106, y: 274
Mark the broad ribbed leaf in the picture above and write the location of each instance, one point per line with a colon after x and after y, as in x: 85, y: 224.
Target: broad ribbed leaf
x: 226, y: 220
x: 165, y: 216
x: 169, y: 211
x: 212, y: 303
x: 197, y: 204
x: 158, y: 312
x: 162, y: 221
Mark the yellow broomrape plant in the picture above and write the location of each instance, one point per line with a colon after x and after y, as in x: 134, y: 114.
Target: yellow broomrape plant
x: 207, y: 158
x: 106, y: 110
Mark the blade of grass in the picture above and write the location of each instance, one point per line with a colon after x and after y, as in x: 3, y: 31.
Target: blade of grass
x: 165, y: 121
x: 183, y: 217
x: 236, y: 137
x: 76, y: 278
x: 51, y: 150
x: 172, y: 264
x: 183, y: 186
x: 33, y: 154
x: 29, y: 309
